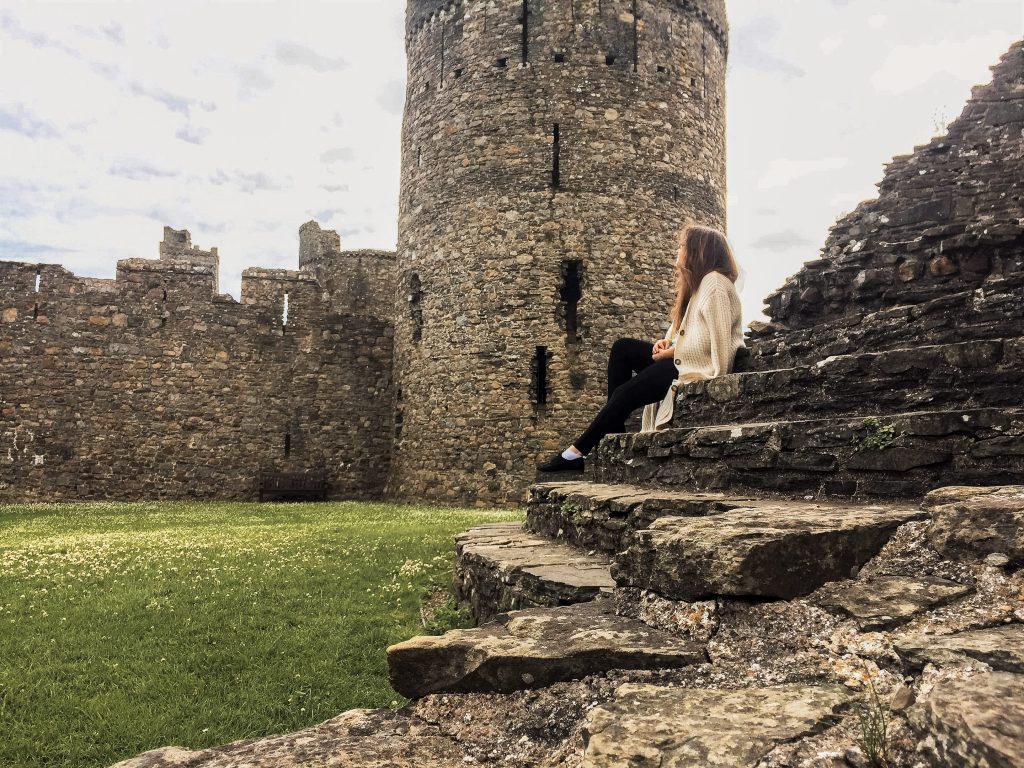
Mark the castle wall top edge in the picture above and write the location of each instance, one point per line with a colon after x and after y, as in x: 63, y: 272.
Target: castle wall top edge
x: 420, y: 12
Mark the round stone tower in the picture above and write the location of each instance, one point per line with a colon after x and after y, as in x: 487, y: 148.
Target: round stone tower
x: 551, y: 152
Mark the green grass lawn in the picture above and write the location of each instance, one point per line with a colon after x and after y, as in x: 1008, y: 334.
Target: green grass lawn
x: 125, y: 627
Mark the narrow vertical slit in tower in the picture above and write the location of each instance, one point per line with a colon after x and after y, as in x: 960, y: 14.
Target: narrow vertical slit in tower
x: 39, y: 279
x: 556, y: 157
x: 526, y: 29
x: 704, y: 55
x: 287, y: 444
x: 540, y: 376
x: 440, y: 79
x: 636, y: 39
x: 284, y: 310
x: 35, y: 311
x: 416, y: 306
x: 570, y: 293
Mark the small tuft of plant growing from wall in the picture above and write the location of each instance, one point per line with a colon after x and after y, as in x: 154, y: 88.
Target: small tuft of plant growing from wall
x: 878, y: 436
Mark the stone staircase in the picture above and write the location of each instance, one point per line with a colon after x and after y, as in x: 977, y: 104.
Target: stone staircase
x: 833, y: 534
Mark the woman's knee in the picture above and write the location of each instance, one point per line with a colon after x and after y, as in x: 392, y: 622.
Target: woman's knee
x: 621, y: 346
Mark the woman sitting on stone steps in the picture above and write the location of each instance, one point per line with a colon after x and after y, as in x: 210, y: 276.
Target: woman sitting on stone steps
x: 707, y: 314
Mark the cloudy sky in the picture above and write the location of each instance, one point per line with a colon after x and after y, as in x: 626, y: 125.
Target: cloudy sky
x: 241, y: 120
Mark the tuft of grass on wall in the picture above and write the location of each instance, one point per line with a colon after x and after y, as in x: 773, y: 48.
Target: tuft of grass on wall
x: 125, y: 627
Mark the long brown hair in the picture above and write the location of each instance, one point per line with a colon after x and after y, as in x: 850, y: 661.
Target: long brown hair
x: 701, y: 250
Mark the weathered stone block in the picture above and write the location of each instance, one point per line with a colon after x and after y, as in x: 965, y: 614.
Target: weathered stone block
x: 655, y: 726
x: 534, y: 648
x: 977, y: 722
x: 969, y: 523
x: 885, y: 601
x: 782, y: 552
x: 1002, y: 648
x: 501, y: 567
x: 896, y: 459
x: 359, y: 738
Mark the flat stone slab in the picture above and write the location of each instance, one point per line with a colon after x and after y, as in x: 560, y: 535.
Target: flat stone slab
x: 1002, y: 648
x: 778, y: 550
x: 969, y: 522
x: 359, y: 738
x: 883, y: 602
x: 534, y: 648
x: 977, y: 721
x: 647, y: 725
x: 601, y: 516
x: 501, y: 567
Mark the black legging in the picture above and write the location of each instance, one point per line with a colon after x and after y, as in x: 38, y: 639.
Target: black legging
x: 627, y: 392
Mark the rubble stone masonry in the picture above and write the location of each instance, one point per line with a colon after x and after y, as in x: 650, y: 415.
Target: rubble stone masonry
x: 152, y: 385
x: 551, y: 153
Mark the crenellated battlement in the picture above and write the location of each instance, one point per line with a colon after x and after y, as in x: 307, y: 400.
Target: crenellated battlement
x: 425, y: 15
x: 131, y: 385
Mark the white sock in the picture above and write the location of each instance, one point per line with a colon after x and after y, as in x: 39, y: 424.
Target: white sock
x: 571, y: 454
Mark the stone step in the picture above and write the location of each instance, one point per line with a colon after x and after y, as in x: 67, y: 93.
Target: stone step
x: 598, y: 516
x: 779, y: 552
x: 358, y: 738
x: 976, y: 374
x: 992, y: 311
x: 650, y: 725
x: 903, y: 455
x: 501, y: 567
x: 534, y: 648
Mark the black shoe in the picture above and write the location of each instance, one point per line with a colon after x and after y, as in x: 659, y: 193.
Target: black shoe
x: 558, y: 464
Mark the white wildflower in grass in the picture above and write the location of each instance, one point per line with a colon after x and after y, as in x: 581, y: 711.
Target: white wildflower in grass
x: 193, y: 623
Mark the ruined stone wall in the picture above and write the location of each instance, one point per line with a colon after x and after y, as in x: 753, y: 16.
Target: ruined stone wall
x: 154, y: 386
x: 551, y: 152
x: 359, y: 282
x: 938, y: 257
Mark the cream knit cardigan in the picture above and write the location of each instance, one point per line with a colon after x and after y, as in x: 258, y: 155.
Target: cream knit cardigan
x: 706, y: 346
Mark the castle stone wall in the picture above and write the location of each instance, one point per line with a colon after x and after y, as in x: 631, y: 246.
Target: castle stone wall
x: 154, y: 386
x: 551, y: 153
x: 937, y: 257
x: 359, y: 282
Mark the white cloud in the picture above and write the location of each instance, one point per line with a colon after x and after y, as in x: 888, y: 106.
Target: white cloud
x: 830, y: 45
x: 877, y: 20
x: 118, y: 119
x: 783, y: 171
x: 102, y: 101
x: 910, y: 66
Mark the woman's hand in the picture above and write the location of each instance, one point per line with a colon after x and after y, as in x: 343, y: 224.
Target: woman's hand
x: 662, y: 350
